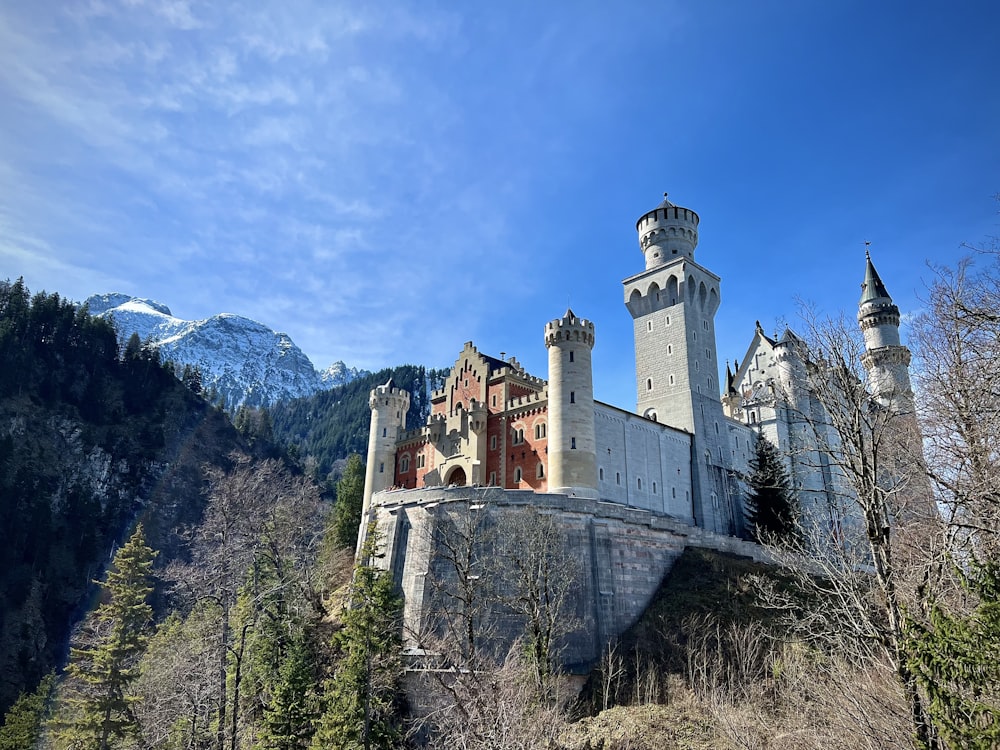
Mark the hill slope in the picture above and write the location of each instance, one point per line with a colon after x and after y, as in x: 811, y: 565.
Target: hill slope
x: 89, y: 444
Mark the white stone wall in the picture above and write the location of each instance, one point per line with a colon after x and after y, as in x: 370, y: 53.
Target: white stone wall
x: 643, y: 464
x: 623, y: 555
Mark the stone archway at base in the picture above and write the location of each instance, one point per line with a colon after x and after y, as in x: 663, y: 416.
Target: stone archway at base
x: 456, y: 477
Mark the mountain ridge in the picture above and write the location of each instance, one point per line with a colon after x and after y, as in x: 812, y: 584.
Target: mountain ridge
x: 242, y: 361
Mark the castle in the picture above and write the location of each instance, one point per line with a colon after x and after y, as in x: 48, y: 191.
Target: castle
x: 629, y: 489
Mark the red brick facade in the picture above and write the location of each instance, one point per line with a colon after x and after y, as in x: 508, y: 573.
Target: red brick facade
x: 509, y: 450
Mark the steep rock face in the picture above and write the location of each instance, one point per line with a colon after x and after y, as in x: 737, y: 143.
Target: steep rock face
x: 243, y: 361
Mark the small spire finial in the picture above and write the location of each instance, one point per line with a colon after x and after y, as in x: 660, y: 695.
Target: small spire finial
x: 664, y: 196
x: 868, y: 244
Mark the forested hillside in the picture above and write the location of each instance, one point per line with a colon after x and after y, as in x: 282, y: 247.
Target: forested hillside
x: 331, y: 425
x: 90, y: 442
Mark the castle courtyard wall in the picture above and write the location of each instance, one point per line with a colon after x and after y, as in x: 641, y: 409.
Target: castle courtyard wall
x: 622, y: 553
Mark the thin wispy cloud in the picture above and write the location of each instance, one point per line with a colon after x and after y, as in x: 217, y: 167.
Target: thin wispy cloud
x: 383, y: 181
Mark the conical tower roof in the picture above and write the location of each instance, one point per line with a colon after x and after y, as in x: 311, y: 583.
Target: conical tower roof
x: 872, y: 287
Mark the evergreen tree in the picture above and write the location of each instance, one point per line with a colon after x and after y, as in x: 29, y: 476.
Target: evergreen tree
x: 99, y: 707
x: 771, y: 509
x: 290, y: 717
x: 956, y: 659
x: 363, y: 697
x: 346, y: 519
x: 22, y: 725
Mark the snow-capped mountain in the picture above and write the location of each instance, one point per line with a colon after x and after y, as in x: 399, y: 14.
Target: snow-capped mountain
x: 242, y: 360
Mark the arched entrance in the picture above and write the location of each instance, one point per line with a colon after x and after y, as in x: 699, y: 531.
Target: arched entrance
x: 456, y: 477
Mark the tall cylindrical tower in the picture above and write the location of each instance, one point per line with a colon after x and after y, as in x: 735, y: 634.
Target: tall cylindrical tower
x: 886, y: 359
x: 389, y: 405
x: 572, y: 444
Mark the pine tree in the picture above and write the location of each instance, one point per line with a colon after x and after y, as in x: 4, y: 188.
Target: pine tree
x: 22, y: 725
x: 290, y: 717
x: 956, y: 660
x: 771, y: 509
x: 100, y: 704
x: 363, y: 697
x: 346, y: 519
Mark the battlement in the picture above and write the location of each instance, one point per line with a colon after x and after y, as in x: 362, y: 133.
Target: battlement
x: 666, y: 232
x: 569, y: 328
x: 389, y: 395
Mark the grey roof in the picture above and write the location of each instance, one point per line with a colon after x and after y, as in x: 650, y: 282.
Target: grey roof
x: 872, y: 288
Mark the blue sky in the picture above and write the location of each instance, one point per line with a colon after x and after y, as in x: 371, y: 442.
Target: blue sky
x: 384, y: 181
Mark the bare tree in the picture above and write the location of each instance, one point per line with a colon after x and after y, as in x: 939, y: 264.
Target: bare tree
x: 872, y: 550
x: 492, y: 643
x: 259, y: 516
x: 958, y: 344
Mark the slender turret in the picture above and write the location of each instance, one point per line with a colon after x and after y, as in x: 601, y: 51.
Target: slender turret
x: 572, y: 445
x: 886, y: 359
x: 389, y: 405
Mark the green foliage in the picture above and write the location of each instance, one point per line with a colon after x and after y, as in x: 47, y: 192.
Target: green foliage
x: 771, y: 508
x: 346, y: 519
x: 99, y: 701
x: 290, y: 717
x: 92, y: 430
x: 363, y: 708
x: 956, y: 659
x: 331, y: 425
x: 23, y: 724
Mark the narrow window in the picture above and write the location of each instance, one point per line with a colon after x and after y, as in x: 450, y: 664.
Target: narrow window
x: 649, y: 326
x: 618, y: 477
x: 517, y: 475
x: 572, y: 444
x: 638, y: 483
x: 539, y: 472
x: 671, y: 380
x: 572, y: 397
x: 381, y: 468
x: 600, y: 473
x: 649, y: 384
x: 668, y: 320
x: 494, y: 399
x: 404, y: 464
x: 654, y: 488
x: 670, y: 348
x: 493, y: 478
x: 384, y: 432
x: 571, y: 355
x: 493, y: 442
x: 673, y: 492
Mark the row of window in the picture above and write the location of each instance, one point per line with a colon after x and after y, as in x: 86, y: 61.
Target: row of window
x: 638, y: 482
x: 517, y: 435
x: 519, y: 475
x: 404, y: 462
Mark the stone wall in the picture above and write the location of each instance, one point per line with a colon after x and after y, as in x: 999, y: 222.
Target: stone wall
x: 621, y: 555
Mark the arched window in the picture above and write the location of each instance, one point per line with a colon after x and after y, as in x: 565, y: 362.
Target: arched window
x: 618, y: 477
x: 539, y: 430
x: 654, y: 488
x: 600, y: 473
x: 638, y: 483
x: 404, y: 464
x: 517, y: 475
